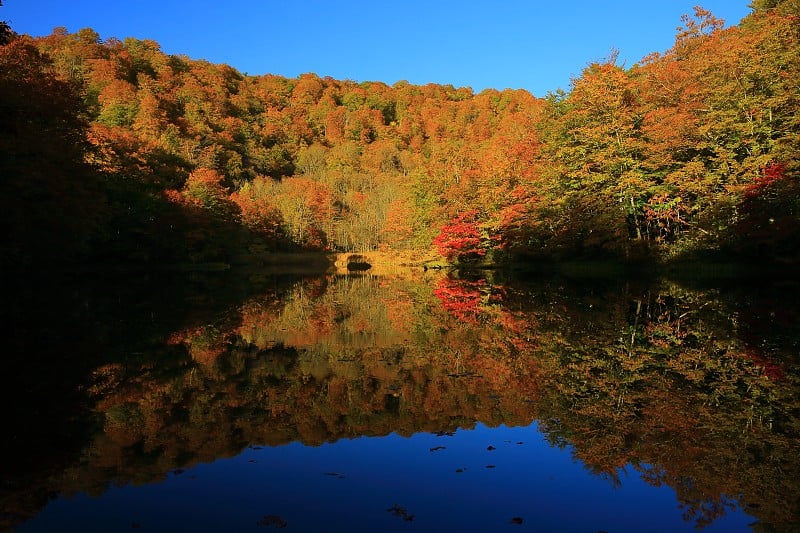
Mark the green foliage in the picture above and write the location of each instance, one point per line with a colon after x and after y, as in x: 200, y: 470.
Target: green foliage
x: 786, y: 7
x: 118, y: 114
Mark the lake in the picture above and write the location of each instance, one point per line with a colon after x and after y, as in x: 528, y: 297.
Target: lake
x: 425, y: 401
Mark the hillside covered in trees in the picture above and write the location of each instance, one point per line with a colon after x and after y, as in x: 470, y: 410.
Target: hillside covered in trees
x: 115, y: 152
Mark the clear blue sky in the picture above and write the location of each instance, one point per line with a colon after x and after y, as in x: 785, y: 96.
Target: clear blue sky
x: 531, y: 44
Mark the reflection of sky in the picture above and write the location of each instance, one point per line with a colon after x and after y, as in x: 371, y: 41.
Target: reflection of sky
x: 542, y: 485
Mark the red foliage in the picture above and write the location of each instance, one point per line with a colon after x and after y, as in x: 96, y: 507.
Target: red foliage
x: 461, y: 298
x: 770, y: 174
x: 315, y: 239
x: 460, y: 239
x: 259, y: 215
x: 175, y: 197
x: 769, y: 223
x: 770, y: 368
x: 517, y: 220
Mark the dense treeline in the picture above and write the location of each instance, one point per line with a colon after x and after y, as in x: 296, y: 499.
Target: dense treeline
x: 115, y: 151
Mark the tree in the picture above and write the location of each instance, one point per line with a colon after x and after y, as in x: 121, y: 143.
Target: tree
x: 51, y: 202
x: 591, y: 153
x: 5, y: 31
x: 786, y: 7
x: 461, y: 240
x: 205, y: 188
x: 770, y: 215
x: 259, y: 215
x: 398, y: 232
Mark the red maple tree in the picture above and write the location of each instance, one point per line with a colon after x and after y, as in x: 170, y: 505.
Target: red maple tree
x: 460, y: 239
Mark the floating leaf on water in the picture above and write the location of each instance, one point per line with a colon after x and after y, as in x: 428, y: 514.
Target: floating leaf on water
x: 400, y: 512
x: 272, y: 520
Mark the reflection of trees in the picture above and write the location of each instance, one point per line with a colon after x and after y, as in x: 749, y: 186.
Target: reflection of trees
x: 665, y: 384
x: 666, y: 379
x: 336, y: 359
x: 64, y: 343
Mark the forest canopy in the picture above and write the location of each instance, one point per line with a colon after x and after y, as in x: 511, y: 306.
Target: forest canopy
x: 114, y: 151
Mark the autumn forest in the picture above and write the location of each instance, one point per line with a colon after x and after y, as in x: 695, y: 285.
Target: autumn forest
x: 590, y: 269
x: 115, y: 152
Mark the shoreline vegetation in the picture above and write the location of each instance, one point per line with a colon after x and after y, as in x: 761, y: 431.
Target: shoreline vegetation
x: 413, y: 264
x: 119, y: 156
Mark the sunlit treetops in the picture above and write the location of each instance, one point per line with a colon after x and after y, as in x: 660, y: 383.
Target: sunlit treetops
x: 648, y: 162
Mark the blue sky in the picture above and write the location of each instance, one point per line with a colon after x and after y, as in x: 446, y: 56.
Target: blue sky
x: 534, y: 45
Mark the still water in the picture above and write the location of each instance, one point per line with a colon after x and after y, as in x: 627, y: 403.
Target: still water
x: 428, y: 402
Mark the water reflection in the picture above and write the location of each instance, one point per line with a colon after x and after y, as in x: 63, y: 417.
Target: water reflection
x: 387, y: 483
x: 646, y: 384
